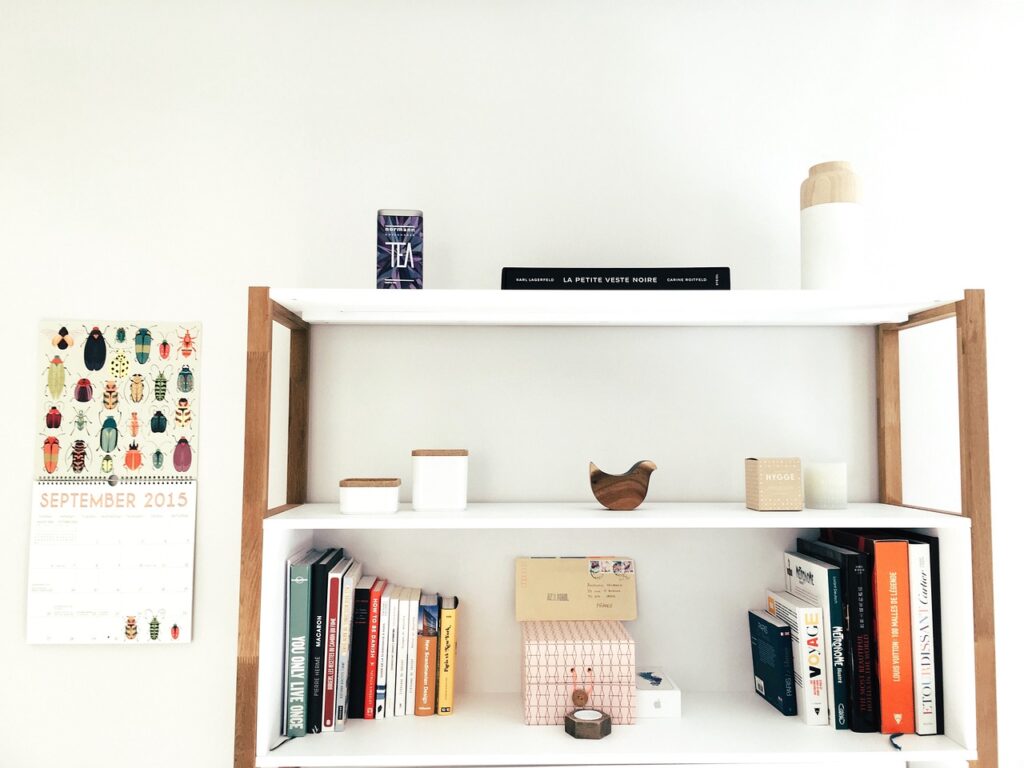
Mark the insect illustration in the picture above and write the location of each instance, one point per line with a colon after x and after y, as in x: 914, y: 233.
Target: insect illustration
x: 81, y: 421
x: 188, y: 344
x: 53, y: 418
x: 143, y: 339
x: 51, y: 452
x: 186, y: 381
x: 158, y: 423
x: 160, y: 385
x: 110, y: 395
x: 158, y: 459
x: 55, y: 377
x: 83, y: 391
x: 95, y: 351
x: 108, y: 435
x: 119, y: 365
x: 182, y: 455
x: 136, y: 387
x: 79, y: 454
x: 133, y: 424
x: 174, y: 631
x: 131, y: 628
x: 133, y: 456
x: 121, y: 335
x: 183, y: 413
x: 154, y: 628
x: 107, y: 464
x: 164, y: 349
x: 62, y: 340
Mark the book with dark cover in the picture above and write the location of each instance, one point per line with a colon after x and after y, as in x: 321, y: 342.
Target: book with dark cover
x: 771, y: 646
x: 859, y: 620
x: 297, y: 649
x: 360, y: 639
x: 891, y: 579
x: 318, y: 637
x: 615, y: 278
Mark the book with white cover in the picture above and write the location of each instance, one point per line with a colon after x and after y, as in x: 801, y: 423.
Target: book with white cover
x: 410, y: 669
x: 335, y: 581
x: 392, y: 658
x: 344, y: 663
x: 402, y: 657
x: 805, y: 623
x: 925, y: 693
x: 383, y: 639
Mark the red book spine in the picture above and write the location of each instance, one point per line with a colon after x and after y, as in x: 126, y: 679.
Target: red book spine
x: 892, y: 623
x: 331, y: 665
x: 370, y: 696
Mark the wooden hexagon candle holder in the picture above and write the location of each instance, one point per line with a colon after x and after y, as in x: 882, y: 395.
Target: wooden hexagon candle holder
x: 588, y: 724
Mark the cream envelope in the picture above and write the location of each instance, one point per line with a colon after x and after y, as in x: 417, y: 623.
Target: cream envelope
x: 575, y: 588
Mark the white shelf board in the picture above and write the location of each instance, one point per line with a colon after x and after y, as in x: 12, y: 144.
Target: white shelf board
x: 590, y: 515
x: 610, y: 308
x: 488, y: 729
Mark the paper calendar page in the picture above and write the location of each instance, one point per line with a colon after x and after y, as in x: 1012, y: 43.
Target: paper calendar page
x: 111, y: 563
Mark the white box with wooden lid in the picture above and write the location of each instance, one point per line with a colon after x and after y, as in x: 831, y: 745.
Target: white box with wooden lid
x: 369, y: 495
x: 440, y: 478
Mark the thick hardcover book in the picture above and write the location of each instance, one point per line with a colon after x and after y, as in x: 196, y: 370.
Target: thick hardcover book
x: 410, y: 671
x: 360, y: 642
x: 334, y: 586
x: 615, y: 278
x: 426, y: 655
x: 809, y: 641
x: 402, y: 651
x: 771, y: 646
x: 890, y: 563
x: 383, y: 651
x: 318, y: 636
x: 859, y: 621
x: 373, y: 650
x: 296, y: 704
x: 392, y: 666
x: 447, y: 646
x: 348, y: 594
x: 819, y: 582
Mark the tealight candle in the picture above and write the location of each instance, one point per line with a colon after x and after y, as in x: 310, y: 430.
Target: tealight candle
x: 825, y: 485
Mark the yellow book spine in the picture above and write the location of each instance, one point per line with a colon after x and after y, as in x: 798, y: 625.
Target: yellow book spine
x: 447, y: 647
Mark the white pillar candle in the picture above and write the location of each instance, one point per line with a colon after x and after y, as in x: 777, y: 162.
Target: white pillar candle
x: 825, y: 485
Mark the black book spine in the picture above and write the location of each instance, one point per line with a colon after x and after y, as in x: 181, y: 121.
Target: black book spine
x: 615, y: 278
x: 357, y: 659
x: 318, y: 638
x: 859, y: 623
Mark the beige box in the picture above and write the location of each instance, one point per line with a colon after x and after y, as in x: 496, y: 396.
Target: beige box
x: 774, y: 484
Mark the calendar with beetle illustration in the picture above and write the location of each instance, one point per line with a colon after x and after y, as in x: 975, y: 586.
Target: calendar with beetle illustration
x: 113, y: 511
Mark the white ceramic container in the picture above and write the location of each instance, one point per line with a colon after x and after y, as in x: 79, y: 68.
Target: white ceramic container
x: 439, y: 479
x: 369, y: 495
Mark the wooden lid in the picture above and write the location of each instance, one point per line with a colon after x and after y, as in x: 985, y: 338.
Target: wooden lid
x: 832, y: 182
x: 440, y: 452
x: 370, y: 482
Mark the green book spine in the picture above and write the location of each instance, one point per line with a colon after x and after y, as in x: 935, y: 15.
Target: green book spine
x: 298, y: 647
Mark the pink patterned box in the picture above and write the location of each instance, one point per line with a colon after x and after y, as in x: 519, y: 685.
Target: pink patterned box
x: 562, y: 657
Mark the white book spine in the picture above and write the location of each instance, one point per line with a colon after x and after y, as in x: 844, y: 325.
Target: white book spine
x: 410, y: 667
x: 382, y: 651
x: 348, y: 587
x: 807, y: 628
x: 402, y: 656
x: 392, y: 659
x: 925, y: 715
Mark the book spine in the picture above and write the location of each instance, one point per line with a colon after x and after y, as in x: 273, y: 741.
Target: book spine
x: 446, y: 649
x: 331, y: 650
x: 298, y: 650
x: 840, y: 686
x: 410, y: 671
x: 392, y: 666
x: 317, y: 617
x: 808, y: 657
x: 372, y: 648
x: 383, y: 653
x: 357, y: 656
x: 402, y: 658
x: 612, y: 278
x: 856, y: 579
x: 345, y: 645
x: 892, y: 619
x: 771, y: 649
x: 426, y: 674
x: 925, y: 706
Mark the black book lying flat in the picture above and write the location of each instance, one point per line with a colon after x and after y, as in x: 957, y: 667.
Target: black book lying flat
x: 615, y: 278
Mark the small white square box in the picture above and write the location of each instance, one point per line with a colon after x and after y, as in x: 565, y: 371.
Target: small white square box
x: 656, y: 694
x: 440, y: 478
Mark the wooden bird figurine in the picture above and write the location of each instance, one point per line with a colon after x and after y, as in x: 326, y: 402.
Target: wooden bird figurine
x: 625, y: 491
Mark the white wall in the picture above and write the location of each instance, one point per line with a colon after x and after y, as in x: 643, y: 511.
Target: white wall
x: 156, y: 158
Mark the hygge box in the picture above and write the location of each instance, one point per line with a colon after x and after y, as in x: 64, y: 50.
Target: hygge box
x: 572, y: 664
x: 656, y: 694
x: 774, y: 484
x: 575, y: 588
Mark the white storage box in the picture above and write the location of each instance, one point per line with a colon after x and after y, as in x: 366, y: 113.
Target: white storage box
x: 369, y: 495
x: 656, y: 694
x: 439, y: 479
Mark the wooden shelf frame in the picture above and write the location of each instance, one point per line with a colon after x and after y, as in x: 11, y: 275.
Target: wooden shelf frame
x: 974, y: 481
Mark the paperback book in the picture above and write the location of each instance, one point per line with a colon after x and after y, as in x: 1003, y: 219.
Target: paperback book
x: 333, y: 631
x: 426, y: 655
x: 318, y: 636
x: 447, y: 646
x: 345, y: 627
x: 771, y: 646
x: 615, y: 278
x: 296, y: 671
x: 808, y: 641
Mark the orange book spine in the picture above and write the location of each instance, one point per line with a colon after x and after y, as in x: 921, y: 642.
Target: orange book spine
x: 426, y: 674
x: 892, y: 623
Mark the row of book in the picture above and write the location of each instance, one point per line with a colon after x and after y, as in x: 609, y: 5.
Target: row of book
x: 358, y: 646
x: 854, y: 640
